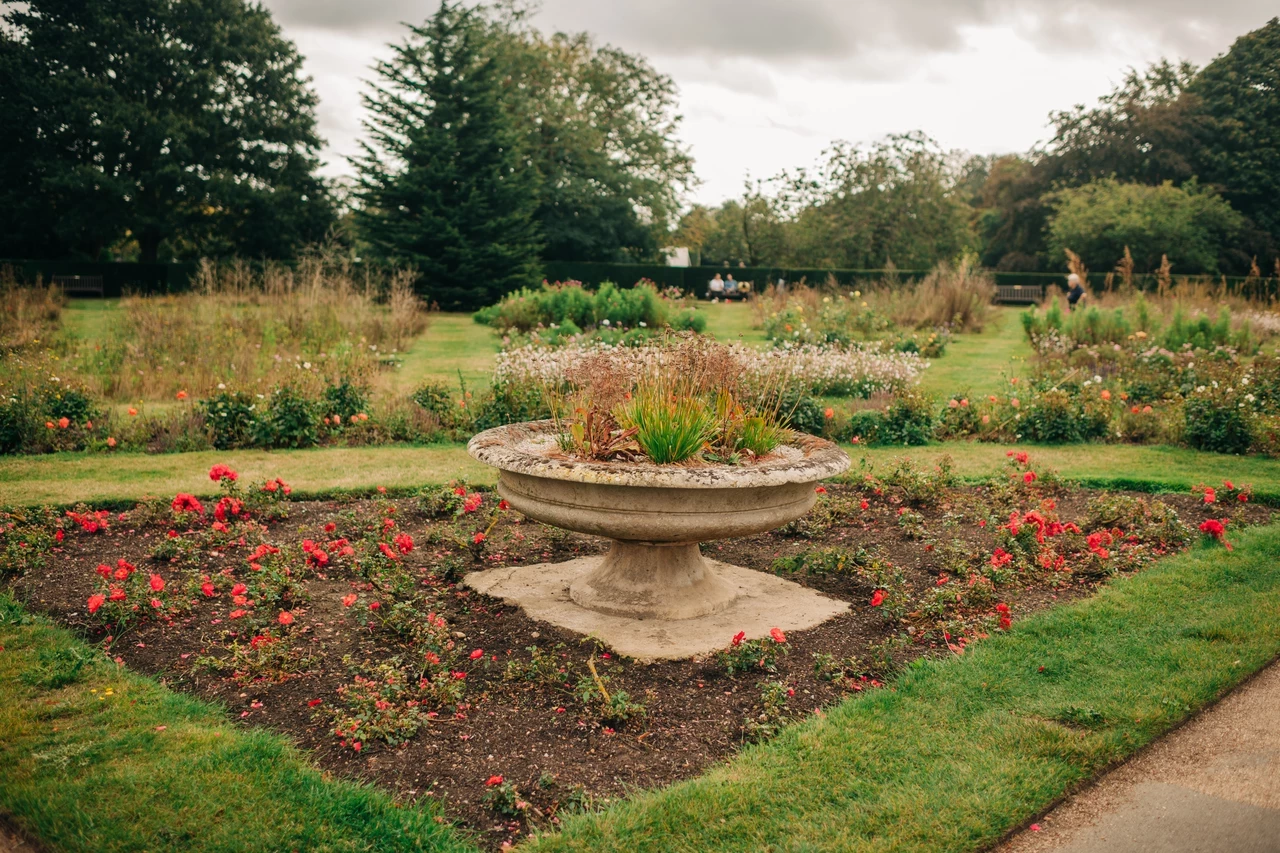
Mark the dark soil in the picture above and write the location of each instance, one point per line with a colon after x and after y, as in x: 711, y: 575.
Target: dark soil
x: 541, y: 737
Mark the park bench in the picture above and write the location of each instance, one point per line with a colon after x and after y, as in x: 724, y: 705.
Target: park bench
x: 1025, y: 294
x: 80, y: 285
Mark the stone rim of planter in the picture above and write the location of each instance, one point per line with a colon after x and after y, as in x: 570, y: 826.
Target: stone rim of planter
x: 806, y: 459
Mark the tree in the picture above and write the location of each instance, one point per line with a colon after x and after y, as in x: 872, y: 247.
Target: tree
x: 599, y: 126
x: 894, y: 200
x: 442, y: 183
x: 1190, y: 224
x: 1238, y: 96
x: 1144, y: 131
x: 177, y: 122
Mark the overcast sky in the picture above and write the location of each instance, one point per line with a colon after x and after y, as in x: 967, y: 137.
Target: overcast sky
x: 768, y: 84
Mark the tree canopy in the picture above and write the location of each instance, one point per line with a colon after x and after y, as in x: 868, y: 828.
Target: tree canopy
x: 182, y: 123
x: 1100, y: 219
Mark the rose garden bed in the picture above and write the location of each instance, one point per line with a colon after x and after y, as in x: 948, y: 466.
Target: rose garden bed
x: 355, y: 640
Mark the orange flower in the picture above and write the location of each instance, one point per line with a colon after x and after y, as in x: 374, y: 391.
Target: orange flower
x: 63, y: 423
x: 182, y: 395
x: 49, y: 424
x: 132, y: 410
x: 111, y: 442
x: 1106, y: 395
x: 285, y: 618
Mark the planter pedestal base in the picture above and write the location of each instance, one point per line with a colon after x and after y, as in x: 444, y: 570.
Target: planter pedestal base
x: 723, y: 599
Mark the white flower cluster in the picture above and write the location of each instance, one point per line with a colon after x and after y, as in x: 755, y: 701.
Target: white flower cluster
x: 1264, y: 321
x: 826, y: 370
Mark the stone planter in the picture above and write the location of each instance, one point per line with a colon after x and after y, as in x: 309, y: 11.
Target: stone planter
x: 654, y: 574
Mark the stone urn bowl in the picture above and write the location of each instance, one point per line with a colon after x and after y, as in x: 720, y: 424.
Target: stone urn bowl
x: 655, y: 515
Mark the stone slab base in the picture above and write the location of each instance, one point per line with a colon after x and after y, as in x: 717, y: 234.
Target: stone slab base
x: 764, y: 602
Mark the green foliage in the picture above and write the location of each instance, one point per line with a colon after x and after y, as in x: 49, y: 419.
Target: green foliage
x: 1057, y: 417
x: 509, y: 403
x: 436, y: 398
x: 668, y: 430
x: 155, y: 140
x: 344, y: 400
x: 290, y: 420
x: 1238, y: 99
x: 1217, y: 420
x: 230, y: 417
x: 909, y: 420
x: 461, y: 208
x: 599, y: 126
x: 562, y: 310
x: 1098, y: 220
x: 744, y: 655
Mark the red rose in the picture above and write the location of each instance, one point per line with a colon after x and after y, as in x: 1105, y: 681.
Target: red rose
x: 778, y: 636
x: 878, y: 598
x: 95, y: 602
x: 285, y: 618
x: 157, y: 583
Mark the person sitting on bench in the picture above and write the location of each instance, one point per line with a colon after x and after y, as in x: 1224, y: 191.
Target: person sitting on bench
x: 715, y: 287
x: 730, y: 287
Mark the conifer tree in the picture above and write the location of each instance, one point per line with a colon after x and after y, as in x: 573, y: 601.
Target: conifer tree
x: 442, y: 182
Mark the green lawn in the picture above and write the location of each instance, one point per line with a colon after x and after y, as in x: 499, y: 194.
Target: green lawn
x: 452, y: 343
x: 100, y: 759
x: 65, y: 478
x: 977, y: 364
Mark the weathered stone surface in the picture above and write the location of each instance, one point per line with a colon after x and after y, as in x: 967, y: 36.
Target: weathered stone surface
x: 656, y: 515
x: 760, y: 602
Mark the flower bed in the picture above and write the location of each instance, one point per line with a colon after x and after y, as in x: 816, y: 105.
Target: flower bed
x: 340, y: 624
x: 829, y: 370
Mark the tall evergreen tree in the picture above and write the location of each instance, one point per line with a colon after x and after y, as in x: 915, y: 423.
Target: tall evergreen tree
x: 178, y: 122
x: 442, y: 182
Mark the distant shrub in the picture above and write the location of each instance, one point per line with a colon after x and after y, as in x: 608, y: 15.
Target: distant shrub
x: 570, y: 308
x: 909, y: 420
x: 289, y: 420
x: 231, y: 418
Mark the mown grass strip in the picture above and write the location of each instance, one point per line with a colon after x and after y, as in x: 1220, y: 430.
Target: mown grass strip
x: 119, y: 479
x: 962, y: 751
x: 97, y: 758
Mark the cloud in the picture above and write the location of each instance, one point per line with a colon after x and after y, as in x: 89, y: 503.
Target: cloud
x: 836, y: 33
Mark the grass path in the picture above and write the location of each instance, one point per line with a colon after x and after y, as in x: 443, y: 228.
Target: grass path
x: 67, y: 478
x: 452, y: 342
x: 977, y: 364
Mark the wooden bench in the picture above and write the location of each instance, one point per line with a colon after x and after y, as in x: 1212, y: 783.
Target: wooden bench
x: 1024, y: 294
x: 80, y: 285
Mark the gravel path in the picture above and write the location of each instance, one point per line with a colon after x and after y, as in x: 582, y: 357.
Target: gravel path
x: 1212, y: 786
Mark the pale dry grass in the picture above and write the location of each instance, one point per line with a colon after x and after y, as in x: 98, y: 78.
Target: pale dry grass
x: 245, y: 329
x: 28, y: 314
x: 957, y: 296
